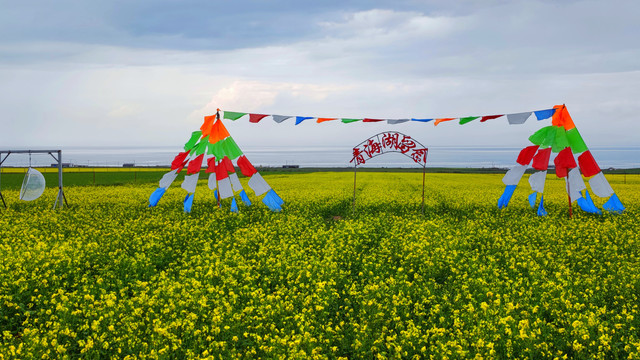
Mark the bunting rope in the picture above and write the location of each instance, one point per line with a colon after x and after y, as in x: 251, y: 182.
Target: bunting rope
x: 513, y: 119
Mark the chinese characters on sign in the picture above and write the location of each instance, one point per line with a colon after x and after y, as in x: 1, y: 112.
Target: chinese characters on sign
x: 390, y: 141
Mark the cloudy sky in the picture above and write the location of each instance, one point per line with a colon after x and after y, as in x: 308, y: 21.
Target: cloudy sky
x: 144, y: 73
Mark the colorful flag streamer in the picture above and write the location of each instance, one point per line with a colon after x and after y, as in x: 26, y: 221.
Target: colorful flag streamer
x: 214, y: 144
x: 513, y: 119
x: 561, y: 137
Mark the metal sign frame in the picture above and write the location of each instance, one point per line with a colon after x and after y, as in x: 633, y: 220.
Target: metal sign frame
x: 386, y: 142
x: 61, y: 197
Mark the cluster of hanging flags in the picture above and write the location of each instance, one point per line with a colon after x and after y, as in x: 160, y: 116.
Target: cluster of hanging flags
x: 513, y: 119
x: 563, y: 138
x: 212, y: 145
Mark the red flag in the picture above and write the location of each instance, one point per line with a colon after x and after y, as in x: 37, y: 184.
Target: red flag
x: 195, y: 165
x: 588, y: 164
x: 245, y: 166
x: 564, y: 161
x: 490, y: 117
x: 254, y: 118
x: 178, y: 162
x: 541, y: 160
x: 226, y: 165
x: 526, y: 154
x: 221, y: 174
x: 371, y: 120
x: 211, y: 165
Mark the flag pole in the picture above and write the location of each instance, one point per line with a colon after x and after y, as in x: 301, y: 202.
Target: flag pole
x: 564, y: 106
x: 569, y: 195
x: 424, y: 170
x: 218, y: 187
x: 355, y: 171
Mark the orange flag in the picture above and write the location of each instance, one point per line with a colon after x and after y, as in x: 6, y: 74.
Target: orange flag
x: 324, y: 119
x: 218, y: 132
x: 206, y: 126
x: 562, y: 118
x: 438, y: 121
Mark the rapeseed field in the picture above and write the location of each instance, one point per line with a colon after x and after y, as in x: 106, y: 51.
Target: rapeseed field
x: 110, y: 278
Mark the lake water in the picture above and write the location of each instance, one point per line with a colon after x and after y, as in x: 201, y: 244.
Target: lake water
x: 477, y: 157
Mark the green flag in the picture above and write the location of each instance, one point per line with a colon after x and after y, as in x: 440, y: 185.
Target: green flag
x: 550, y: 138
x: 560, y: 142
x: 201, y: 148
x: 216, y: 150
x: 233, y: 115
x: 575, y: 141
x: 193, y: 140
x: 231, y: 149
x: 346, y: 121
x: 538, y: 138
x: 467, y: 119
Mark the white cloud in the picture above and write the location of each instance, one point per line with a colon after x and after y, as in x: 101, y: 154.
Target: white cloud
x: 383, y: 26
x: 373, y: 63
x: 251, y: 95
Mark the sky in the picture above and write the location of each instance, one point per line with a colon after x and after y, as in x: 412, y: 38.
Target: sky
x: 145, y: 73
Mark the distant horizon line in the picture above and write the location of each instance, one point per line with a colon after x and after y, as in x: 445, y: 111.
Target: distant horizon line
x: 73, y: 147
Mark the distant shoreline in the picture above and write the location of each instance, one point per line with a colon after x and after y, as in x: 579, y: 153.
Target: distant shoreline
x: 273, y: 169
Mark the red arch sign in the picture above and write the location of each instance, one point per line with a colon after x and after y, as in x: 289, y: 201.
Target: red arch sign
x: 389, y: 141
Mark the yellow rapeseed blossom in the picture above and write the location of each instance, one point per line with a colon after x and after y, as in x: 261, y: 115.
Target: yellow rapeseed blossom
x: 110, y: 278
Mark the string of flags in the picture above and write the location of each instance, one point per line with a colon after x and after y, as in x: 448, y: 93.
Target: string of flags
x: 561, y: 137
x: 213, y: 146
x: 513, y: 119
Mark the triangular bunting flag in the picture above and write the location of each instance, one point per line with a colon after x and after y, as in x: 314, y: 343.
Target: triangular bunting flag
x: 280, y: 118
x: 254, y: 118
x: 519, y: 118
x: 396, y: 121
x: 421, y: 120
x: 467, y: 119
x: 233, y: 115
x: 438, y: 121
x: 300, y: 119
x: 490, y: 117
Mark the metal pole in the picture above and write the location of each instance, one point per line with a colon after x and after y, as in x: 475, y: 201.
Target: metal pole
x: 424, y: 170
x: 60, y: 189
x: 2, y: 197
x: 355, y: 168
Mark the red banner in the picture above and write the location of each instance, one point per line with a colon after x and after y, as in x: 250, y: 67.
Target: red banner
x: 391, y: 141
